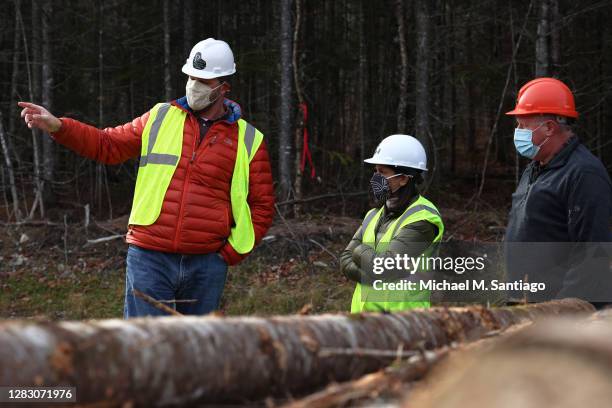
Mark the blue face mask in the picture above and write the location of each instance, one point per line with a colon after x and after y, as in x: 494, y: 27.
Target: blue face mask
x: 523, y: 141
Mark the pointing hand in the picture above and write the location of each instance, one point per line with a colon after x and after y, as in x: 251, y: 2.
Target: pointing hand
x: 36, y: 116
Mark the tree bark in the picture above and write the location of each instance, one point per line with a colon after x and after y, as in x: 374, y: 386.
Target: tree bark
x: 299, y: 129
x: 14, y: 96
x: 387, y: 383
x: 239, y: 358
x: 422, y: 100
x: 403, y: 82
x: 33, y: 90
x: 284, y: 147
x: 542, y: 64
x: 451, y: 88
x: 167, y: 76
x: 555, y: 38
x: 188, y: 26
x: 35, y: 57
x: 558, y: 363
x: 48, y: 146
x: 9, y: 168
x: 501, y: 103
x: 422, y: 76
x: 391, y: 383
x: 101, y: 184
x: 364, y: 112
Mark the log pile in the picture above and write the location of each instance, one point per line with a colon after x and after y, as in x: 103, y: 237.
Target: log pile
x: 188, y: 360
x: 394, y: 382
x: 559, y: 363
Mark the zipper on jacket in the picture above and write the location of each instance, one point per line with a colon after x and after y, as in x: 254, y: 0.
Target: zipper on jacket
x: 196, y: 145
x: 195, y: 148
x: 530, y: 182
x: 184, y: 192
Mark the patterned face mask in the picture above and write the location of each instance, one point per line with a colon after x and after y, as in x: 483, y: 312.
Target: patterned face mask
x: 380, y: 186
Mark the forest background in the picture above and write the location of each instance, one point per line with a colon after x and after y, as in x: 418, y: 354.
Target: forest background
x: 444, y: 71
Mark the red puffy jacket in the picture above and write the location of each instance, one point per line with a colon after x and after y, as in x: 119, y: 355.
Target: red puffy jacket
x: 196, y: 215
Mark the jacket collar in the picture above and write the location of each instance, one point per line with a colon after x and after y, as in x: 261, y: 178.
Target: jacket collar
x: 560, y: 158
x: 235, y: 112
x: 401, y: 200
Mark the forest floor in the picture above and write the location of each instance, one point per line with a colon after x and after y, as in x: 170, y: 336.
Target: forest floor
x: 49, y: 271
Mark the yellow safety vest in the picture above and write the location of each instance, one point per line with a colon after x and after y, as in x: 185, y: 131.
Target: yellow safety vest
x: 162, y: 143
x: 421, y: 210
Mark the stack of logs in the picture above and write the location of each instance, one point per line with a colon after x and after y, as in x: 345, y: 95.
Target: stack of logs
x: 443, y: 357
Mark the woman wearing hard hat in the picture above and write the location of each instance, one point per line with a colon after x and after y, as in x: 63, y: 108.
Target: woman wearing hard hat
x: 404, y: 224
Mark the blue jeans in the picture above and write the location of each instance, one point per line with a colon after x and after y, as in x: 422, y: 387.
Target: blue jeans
x: 166, y: 276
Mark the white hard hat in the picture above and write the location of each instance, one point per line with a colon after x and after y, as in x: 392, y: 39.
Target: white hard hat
x: 210, y: 58
x: 400, y: 150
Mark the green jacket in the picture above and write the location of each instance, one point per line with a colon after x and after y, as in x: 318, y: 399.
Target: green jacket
x: 412, y: 240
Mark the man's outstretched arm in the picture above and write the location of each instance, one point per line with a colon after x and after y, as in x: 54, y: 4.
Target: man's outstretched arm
x: 109, y: 146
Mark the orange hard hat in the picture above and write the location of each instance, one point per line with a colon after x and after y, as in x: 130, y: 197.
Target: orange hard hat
x: 545, y: 95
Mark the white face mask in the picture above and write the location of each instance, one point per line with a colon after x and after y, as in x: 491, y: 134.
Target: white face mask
x: 198, y: 94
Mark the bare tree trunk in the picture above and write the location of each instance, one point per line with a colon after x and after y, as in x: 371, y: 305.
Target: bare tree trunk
x: 451, y: 87
x: 101, y: 184
x: 167, y: 77
x: 555, y: 38
x: 403, y: 83
x: 299, y: 129
x: 363, y: 82
x: 33, y: 85
x: 99, y: 167
x: 48, y: 146
x: 422, y: 77
x: 35, y: 57
x: 501, y: 103
x: 543, y: 33
x: 470, y: 129
x: 9, y: 168
x: 12, y: 120
x: 187, y: 6
x: 131, y: 89
x: 284, y: 153
x: 234, y: 358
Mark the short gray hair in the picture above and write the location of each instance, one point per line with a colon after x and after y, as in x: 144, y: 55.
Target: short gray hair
x: 564, y: 121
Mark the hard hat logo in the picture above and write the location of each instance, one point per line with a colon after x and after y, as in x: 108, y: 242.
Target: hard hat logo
x: 198, y: 62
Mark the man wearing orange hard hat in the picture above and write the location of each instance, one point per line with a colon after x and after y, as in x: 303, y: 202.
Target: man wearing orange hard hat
x: 562, y: 202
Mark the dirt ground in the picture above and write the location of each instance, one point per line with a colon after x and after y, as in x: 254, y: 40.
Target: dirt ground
x: 50, y: 271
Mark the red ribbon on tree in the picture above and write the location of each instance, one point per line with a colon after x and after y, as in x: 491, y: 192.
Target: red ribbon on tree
x: 306, y: 155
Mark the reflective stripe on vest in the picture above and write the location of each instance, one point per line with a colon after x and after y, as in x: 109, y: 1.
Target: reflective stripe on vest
x: 421, y: 204
x: 162, y: 141
x: 366, y: 220
x: 159, y: 157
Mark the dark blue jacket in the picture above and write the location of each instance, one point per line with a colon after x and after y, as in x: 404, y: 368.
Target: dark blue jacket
x: 555, y: 207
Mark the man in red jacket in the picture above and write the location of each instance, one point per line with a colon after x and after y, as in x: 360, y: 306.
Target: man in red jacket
x: 204, y: 196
